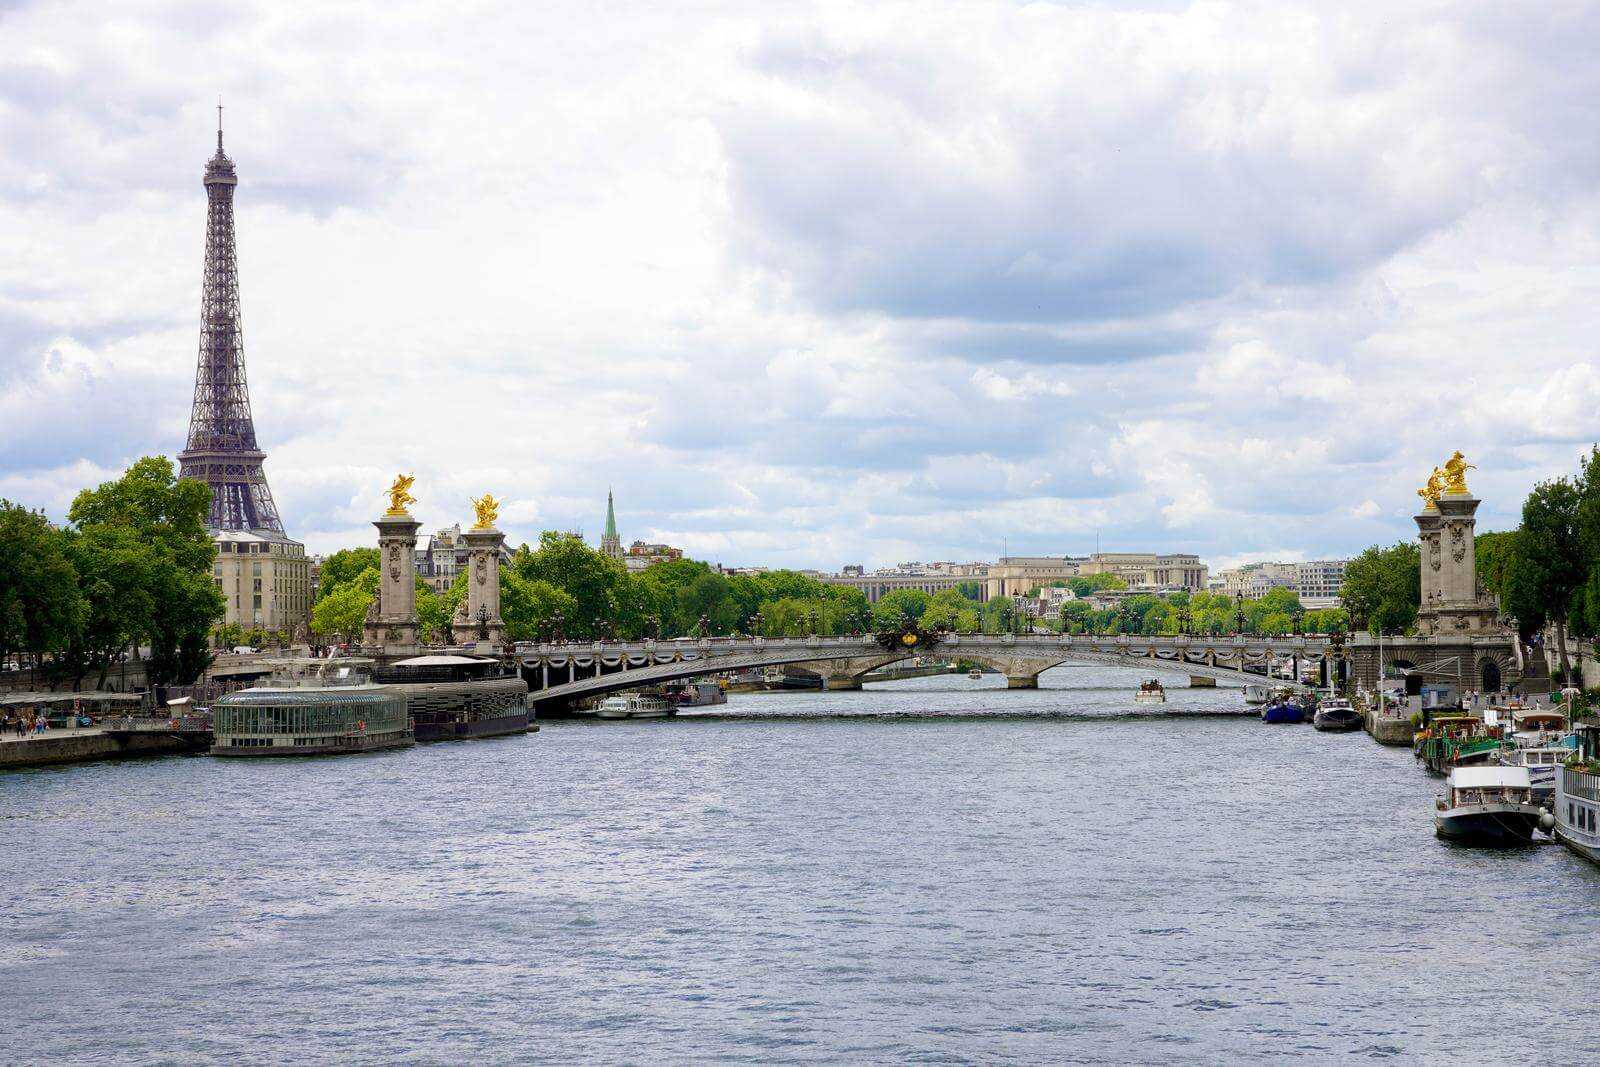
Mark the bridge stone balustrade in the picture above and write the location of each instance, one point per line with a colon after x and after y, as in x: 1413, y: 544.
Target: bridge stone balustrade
x: 558, y: 673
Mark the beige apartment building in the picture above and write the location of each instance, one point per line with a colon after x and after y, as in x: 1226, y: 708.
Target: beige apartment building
x: 265, y: 579
x: 1016, y: 575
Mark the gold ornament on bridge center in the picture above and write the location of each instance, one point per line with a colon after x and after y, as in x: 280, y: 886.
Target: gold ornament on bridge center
x: 488, y: 509
x: 909, y: 639
x: 1455, y: 473
x: 400, y: 497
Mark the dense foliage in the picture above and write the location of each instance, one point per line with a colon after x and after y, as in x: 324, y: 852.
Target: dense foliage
x: 132, y: 568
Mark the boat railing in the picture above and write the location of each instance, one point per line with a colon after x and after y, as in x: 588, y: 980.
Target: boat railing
x: 1581, y: 784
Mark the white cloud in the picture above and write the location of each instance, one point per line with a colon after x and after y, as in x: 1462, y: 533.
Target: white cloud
x: 810, y: 285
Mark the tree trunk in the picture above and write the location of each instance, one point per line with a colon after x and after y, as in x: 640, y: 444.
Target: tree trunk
x: 1561, y: 646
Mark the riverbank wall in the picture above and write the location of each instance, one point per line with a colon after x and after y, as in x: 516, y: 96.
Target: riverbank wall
x: 1389, y: 730
x: 77, y: 746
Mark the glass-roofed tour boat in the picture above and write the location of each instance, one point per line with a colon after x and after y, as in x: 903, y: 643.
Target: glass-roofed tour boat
x: 310, y: 707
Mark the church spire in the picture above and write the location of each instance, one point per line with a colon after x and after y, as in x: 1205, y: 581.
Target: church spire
x: 610, y: 543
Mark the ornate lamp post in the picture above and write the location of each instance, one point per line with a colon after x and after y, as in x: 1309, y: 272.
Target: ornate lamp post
x: 555, y: 625
x: 1239, y: 617
x: 1184, y: 621
x: 757, y: 624
x: 1299, y: 618
x: 704, y: 626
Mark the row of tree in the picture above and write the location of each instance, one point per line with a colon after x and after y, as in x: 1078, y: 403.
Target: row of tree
x: 565, y: 587
x: 133, y: 568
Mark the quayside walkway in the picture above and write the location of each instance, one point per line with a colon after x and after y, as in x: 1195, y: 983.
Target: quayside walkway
x: 109, y: 739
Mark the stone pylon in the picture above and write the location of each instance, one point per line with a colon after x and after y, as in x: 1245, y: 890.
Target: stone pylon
x: 392, y: 620
x: 1451, y: 602
x: 477, y: 620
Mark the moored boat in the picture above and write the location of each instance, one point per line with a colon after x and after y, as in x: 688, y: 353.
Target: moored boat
x: 1487, y: 806
x: 695, y: 694
x: 1456, y: 741
x: 632, y: 706
x: 975, y: 673
x: 1150, y: 691
x: 1539, y: 741
x: 456, y: 698
x: 1335, y: 713
x: 1257, y: 693
x: 1577, y: 793
x: 311, y: 707
x: 1283, y: 710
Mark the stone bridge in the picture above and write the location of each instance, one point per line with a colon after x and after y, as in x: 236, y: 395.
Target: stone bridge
x: 561, y: 672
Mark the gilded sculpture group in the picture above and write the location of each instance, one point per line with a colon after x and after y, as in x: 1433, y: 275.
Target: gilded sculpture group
x: 1451, y: 479
x: 486, y: 507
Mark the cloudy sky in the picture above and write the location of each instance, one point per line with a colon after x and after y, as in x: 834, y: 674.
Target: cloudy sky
x: 820, y: 284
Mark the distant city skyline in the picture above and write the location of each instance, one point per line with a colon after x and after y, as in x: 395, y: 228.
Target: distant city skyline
x: 1163, y: 293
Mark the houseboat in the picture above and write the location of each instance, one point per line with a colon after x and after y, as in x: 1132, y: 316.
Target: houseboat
x: 1150, y: 692
x: 1487, y: 806
x: 1577, y: 793
x: 311, y: 707
x: 1451, y: 741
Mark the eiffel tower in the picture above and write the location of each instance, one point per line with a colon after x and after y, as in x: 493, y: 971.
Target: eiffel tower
x: 222, y: 449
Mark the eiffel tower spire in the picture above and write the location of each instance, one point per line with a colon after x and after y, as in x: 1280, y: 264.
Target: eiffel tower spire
x: 222, y: 450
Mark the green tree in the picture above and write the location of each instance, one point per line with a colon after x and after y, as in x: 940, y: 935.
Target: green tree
x: 342, y: 610
x: 41, y: 607
x: 343, y: 566
x: 892, y: 609
x: 1085, y: 584
x: 1550, y: 563
x: 595, y: 582
x: 1383, y: 586
x: 944, y: 610
x: 164, y: 519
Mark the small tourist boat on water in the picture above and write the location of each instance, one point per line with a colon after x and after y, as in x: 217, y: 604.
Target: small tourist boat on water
x: 975, y: 673
x: 633, y: 706
x: 1487, y: 806
x: 1150, y: 692
x: 1335, y: 713
x: 1577, y: 793
x: 1257, y: 693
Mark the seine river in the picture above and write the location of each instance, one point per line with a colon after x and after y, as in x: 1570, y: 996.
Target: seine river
x: 934, y: 870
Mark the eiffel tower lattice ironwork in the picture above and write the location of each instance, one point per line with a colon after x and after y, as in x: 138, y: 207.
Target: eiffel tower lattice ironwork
x: 222, y: 449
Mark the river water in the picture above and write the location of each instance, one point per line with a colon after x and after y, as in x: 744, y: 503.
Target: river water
x: 932, y: 870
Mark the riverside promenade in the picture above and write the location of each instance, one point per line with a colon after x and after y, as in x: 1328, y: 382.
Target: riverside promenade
x: 109, y: 739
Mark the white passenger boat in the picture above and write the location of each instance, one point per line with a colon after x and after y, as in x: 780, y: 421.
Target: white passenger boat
x: 1257, y: 692
x: 975, y: 674
x: 632, y: 706
x: 1577, y: 793
x: 1150, y: 692
x: 1487, y: 806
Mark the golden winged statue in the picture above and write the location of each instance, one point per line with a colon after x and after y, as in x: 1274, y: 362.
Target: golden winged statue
x: 1430, y: 493
x: 400, y: 496
x: 1455, y: 472
x: 488, y: 509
